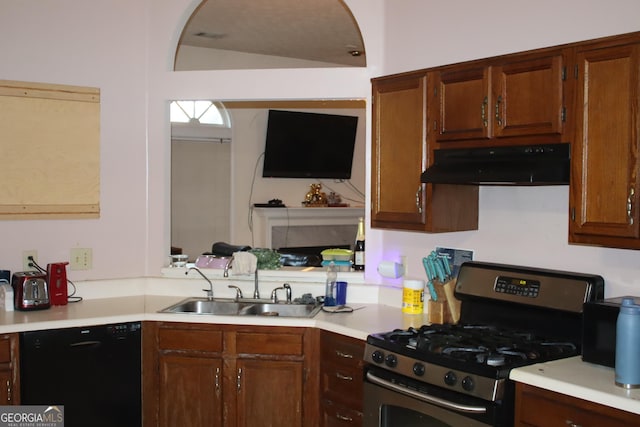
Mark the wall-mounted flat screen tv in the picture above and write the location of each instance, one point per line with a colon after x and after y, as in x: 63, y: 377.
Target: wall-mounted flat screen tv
x: 309, y: 145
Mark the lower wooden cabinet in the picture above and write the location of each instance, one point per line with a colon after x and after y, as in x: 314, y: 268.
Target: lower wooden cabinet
x: 543, y: 408
x: 341, y: 379
x: 9, y: 370
x: 229, y: 375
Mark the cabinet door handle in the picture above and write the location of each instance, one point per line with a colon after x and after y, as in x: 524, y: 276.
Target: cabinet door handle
x: 217, y: 381
x: 498, y: 117
x: 419, y: 199
x: 9, y: 391
x: 572, y: 424
x: 483, y: 111
x: 344, y: 355
x: 343, y: 417
x: 343, y: 377
x: 632, y: 193
x: 239, y: 379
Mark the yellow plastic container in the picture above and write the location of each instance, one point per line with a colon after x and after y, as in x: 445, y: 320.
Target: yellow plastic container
x: 413, y: 297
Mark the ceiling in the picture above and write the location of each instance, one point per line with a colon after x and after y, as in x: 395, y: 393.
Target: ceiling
x: 315, y: 30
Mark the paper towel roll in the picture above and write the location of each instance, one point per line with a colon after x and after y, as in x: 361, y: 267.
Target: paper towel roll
x: 390, y: 269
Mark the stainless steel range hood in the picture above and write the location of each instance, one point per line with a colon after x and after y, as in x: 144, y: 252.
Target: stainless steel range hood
x: 519, y: 165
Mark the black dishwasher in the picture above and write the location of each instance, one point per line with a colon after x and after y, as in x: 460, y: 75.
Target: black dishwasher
x: 95, y: 372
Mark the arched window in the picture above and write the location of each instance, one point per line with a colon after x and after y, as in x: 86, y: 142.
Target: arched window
x: 199, y: 112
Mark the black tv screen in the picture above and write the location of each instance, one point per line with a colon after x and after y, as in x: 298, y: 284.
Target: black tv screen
x: 309, y: 145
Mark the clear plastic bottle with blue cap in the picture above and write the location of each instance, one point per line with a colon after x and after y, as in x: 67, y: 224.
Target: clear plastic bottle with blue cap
x: 628, y: 345
x: 330, y: 287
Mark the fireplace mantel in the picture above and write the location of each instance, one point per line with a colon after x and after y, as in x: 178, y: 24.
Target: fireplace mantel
x: 265, y: 219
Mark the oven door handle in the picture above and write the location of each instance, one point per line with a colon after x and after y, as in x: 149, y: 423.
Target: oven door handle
x: 425, y: 397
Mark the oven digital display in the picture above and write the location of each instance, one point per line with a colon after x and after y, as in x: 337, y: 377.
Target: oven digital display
x: 517, y: 286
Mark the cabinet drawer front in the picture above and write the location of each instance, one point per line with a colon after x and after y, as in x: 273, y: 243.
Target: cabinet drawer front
x: 341, y: 350
x: 269, y: 343
x: 543, y: 408
x: 344, y: 385
x: 336, y: 415
x: 5, y: 349
x: 190, y: 340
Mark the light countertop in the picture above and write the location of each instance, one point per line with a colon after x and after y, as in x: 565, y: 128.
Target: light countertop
x: 579, y: 379
x: 140, y: 299
x: 368, y: 318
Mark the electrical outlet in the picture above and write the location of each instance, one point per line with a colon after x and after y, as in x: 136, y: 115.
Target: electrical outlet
x: 26, y: 261
x: 81, y: 259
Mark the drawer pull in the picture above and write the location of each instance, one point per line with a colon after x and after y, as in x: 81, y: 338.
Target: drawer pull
x: 9, y: 397
x: 572, y: 424
x: 343, y: 417
x: 344, y: 355
x: 343, y: 377
x: 239, y: 379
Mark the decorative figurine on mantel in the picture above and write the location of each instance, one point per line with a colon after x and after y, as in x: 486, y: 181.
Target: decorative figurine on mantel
x: 315, y: 197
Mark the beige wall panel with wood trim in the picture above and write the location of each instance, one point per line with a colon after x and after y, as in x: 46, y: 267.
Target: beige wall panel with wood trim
x: 50, y: 149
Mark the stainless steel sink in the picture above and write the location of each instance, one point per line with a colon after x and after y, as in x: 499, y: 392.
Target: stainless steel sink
x: 228, y: 307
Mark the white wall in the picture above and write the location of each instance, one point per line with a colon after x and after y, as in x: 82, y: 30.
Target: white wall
x: 126, y: 49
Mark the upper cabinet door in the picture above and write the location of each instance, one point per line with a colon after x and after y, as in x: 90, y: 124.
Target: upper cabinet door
x: 528, y: 97
x: 604, y: 187
x: 399, y: 151
x: 464, y: 104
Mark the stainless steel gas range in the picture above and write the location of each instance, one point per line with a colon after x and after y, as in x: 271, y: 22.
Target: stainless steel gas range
x: 458, y: 375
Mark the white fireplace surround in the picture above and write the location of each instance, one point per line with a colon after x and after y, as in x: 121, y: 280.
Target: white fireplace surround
x: 304, y: 226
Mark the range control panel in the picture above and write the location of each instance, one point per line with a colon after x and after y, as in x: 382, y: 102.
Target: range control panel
x: 517, y: 286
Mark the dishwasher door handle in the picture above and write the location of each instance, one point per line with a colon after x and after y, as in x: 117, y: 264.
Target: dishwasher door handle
x: 84, y: 344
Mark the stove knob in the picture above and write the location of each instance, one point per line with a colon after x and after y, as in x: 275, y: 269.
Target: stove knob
x: 377, y: 356
x: 391, y: 361
x: 418, y: 369
x: 450, y: 378
x: 467, y: 383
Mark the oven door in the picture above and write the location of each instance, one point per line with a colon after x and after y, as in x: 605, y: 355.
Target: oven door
x: 391, y: 403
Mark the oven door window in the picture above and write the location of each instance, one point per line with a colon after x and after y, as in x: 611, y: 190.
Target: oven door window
x: 388, y: 408
x: 396, y: 416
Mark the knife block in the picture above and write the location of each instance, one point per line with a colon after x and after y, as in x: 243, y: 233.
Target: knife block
x: 447, y: 308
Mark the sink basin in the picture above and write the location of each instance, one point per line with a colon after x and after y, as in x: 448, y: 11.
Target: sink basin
x: 204, y: 306
x: 228, y: 307
x: 284, y: 310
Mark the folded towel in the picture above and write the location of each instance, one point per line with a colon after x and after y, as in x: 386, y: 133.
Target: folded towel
x: 244, y: 263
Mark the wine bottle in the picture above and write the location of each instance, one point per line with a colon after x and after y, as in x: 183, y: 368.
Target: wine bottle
x: 358, y: 256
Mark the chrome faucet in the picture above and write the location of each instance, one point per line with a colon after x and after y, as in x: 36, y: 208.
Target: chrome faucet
x: 286, y: 288
x: 226, y: 267
x: 208, y: 291
x: 287, y: 292
x: 256, y: 291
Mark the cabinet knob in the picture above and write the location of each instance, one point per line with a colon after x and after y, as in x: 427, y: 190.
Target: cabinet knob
x: 572, y: 424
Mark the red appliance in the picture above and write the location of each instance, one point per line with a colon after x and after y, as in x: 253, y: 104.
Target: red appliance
x: 57, y: 280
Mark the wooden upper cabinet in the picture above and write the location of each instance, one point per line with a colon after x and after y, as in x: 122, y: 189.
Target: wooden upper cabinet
x: 528, y: 97
x: 517, y: 96
x: 604, y: 187
x: 399, y: 156
x: 399, y: 150
x: 464, y: 104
